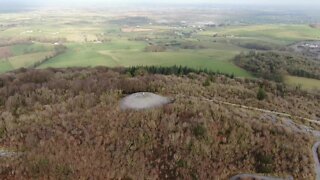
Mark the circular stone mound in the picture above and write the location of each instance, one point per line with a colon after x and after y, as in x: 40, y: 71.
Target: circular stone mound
x: 143, y: 100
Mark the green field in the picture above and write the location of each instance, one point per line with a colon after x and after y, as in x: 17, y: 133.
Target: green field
x: 305, y: 83
x: 272, y: 33
x: 24, y: 55
x: 22, y: 49
x: 128, y: 53
x: 98, y: 40
x: 5, y: 66
x: 28, y: 60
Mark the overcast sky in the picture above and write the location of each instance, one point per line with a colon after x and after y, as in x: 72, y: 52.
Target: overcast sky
x: 4, y: 3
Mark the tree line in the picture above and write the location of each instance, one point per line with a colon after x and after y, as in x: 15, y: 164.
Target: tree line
x: 58, y: 49
x: 172, y: 70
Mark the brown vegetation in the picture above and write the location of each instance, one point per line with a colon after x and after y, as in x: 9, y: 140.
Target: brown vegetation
x: 68, y: 125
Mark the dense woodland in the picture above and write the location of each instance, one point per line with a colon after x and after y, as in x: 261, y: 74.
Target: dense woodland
x: 274, y: 65
x: 67, y: 124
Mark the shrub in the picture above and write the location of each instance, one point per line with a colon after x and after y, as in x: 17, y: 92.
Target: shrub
x: 155, y: 48
x: 2, y: 131
x: 206, y: 83
x: 63, y: 171
x: 264, y: 163
x: 1, y: 83
x: 40, y: 167
x: 261, y: 95
x: 181, y: 163
x: 2, y: 101
x: 14, y: 102
x: 199, y: 131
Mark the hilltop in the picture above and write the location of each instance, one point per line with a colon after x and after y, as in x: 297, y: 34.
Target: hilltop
x: 67, y: 123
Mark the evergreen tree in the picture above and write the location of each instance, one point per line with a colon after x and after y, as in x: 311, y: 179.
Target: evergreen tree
x: 261, y: 95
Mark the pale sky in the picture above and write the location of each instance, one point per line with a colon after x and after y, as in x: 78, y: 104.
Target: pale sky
x: 111, y: 2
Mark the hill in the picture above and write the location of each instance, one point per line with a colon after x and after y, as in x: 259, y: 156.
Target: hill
x: 67, y: 124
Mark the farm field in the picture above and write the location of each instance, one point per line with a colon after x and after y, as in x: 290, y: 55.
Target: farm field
x: 23, y: 55
x: 103, y: 39
x: 126, y: 54
x: 273, y: 33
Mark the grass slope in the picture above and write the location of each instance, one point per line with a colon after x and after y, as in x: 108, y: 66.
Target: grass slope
x: 305, y: 83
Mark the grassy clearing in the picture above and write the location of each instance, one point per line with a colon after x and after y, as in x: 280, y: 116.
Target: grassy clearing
x: 305, y: 83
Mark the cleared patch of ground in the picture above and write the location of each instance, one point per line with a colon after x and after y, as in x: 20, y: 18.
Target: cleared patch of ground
x: 143, y: 100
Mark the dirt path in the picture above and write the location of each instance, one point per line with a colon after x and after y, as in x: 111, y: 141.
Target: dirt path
x: 252, y: 176
x: 262, y: 110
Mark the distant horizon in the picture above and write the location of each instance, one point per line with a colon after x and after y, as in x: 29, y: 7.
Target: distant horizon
x: 110, y: 3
